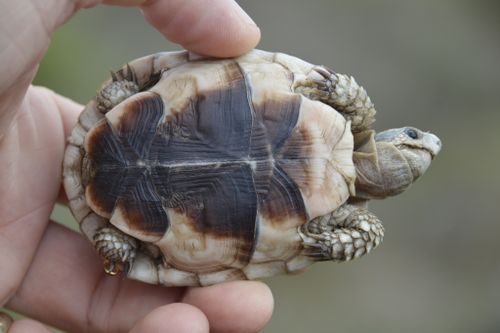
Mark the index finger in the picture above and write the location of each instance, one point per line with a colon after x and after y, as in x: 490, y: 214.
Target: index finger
x: 212, y: 27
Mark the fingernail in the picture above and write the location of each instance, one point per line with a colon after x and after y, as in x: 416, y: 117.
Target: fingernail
x: 5, y: 322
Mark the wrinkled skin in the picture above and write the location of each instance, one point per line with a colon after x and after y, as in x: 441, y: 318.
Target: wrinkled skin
x: 50, y: 273
x: 403, y: 156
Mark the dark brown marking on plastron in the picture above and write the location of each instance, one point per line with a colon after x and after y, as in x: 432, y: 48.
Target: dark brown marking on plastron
x: 298, y: 146
x: 284, y: 200
x: 107, y: 160
x: 279, y: 199
x: 183, y: 203
x: 202, y: 154
x: 214, y: 126
x: 217, y: 200
x: 138, y: 122
x: 279, y: 115
x: 141, y: 206
x: 297, y: 156
x: 103, y: 146
x: 120, y: 174
x: 260, y: 148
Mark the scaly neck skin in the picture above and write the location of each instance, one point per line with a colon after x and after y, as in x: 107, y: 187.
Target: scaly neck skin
x: 388, y: 163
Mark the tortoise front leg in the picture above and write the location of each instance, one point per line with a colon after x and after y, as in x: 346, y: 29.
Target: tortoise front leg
x: 123, y: 85
x: 342, y: 93
x: 347, y: 233
x: 117, y: 249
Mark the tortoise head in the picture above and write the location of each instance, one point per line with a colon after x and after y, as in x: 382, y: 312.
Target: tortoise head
x: 389, y: 162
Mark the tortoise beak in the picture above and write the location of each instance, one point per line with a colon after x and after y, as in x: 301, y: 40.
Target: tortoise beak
x: 432, y: 144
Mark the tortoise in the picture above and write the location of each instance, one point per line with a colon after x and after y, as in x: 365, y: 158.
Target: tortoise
x: 187, y: 170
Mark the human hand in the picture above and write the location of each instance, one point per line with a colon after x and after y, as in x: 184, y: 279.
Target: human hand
x: 50, y: 273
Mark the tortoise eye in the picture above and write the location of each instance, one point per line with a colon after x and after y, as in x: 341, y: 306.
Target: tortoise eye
x: 411, y: 133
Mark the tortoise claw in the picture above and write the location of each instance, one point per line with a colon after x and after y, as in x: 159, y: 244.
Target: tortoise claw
x: 114, y: 77
x: 117, y: 250
x: 342, y: 93
x: 315, y: 251
x: 131, y: 76
x: 114, y: 268
x: 121, y: 76
x: 111, y: 268
x: 325, y: 72
x: 323, y: 85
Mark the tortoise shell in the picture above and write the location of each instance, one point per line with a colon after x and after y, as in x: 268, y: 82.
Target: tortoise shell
x: 213, y: 165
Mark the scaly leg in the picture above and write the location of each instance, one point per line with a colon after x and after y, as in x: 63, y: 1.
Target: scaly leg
x: 347, y: 233
x: 120, y: 88
x: 117, y: 249
x: 342, y: 93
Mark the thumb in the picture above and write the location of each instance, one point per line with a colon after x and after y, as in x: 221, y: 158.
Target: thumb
x: 25, y: 29
x: 175, y: 318
x: 212, y: 27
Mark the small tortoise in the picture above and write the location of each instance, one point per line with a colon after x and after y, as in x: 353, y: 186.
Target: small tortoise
x: 187, y: 170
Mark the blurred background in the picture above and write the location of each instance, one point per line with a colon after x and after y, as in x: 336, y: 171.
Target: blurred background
x: 430, y: 64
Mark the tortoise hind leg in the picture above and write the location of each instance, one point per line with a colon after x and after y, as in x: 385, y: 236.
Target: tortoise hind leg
x: 347, y: 233
x: 117, y: 250
x: 342, y: 93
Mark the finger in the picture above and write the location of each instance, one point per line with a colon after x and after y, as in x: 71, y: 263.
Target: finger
x: 11, y: 97
x: 31, y: 159
x: 5, y: 322
x: 66, y: 276
x: 214, y: 27
x: 173, y: 318
x: 39, y: 136
x: 245, y: 306
x: 27, y: 326
x: 62, y: 198
x: 68, y: 111
x: 25, y: 29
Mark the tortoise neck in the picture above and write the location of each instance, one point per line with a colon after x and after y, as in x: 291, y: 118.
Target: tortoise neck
x: 381, y: 168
